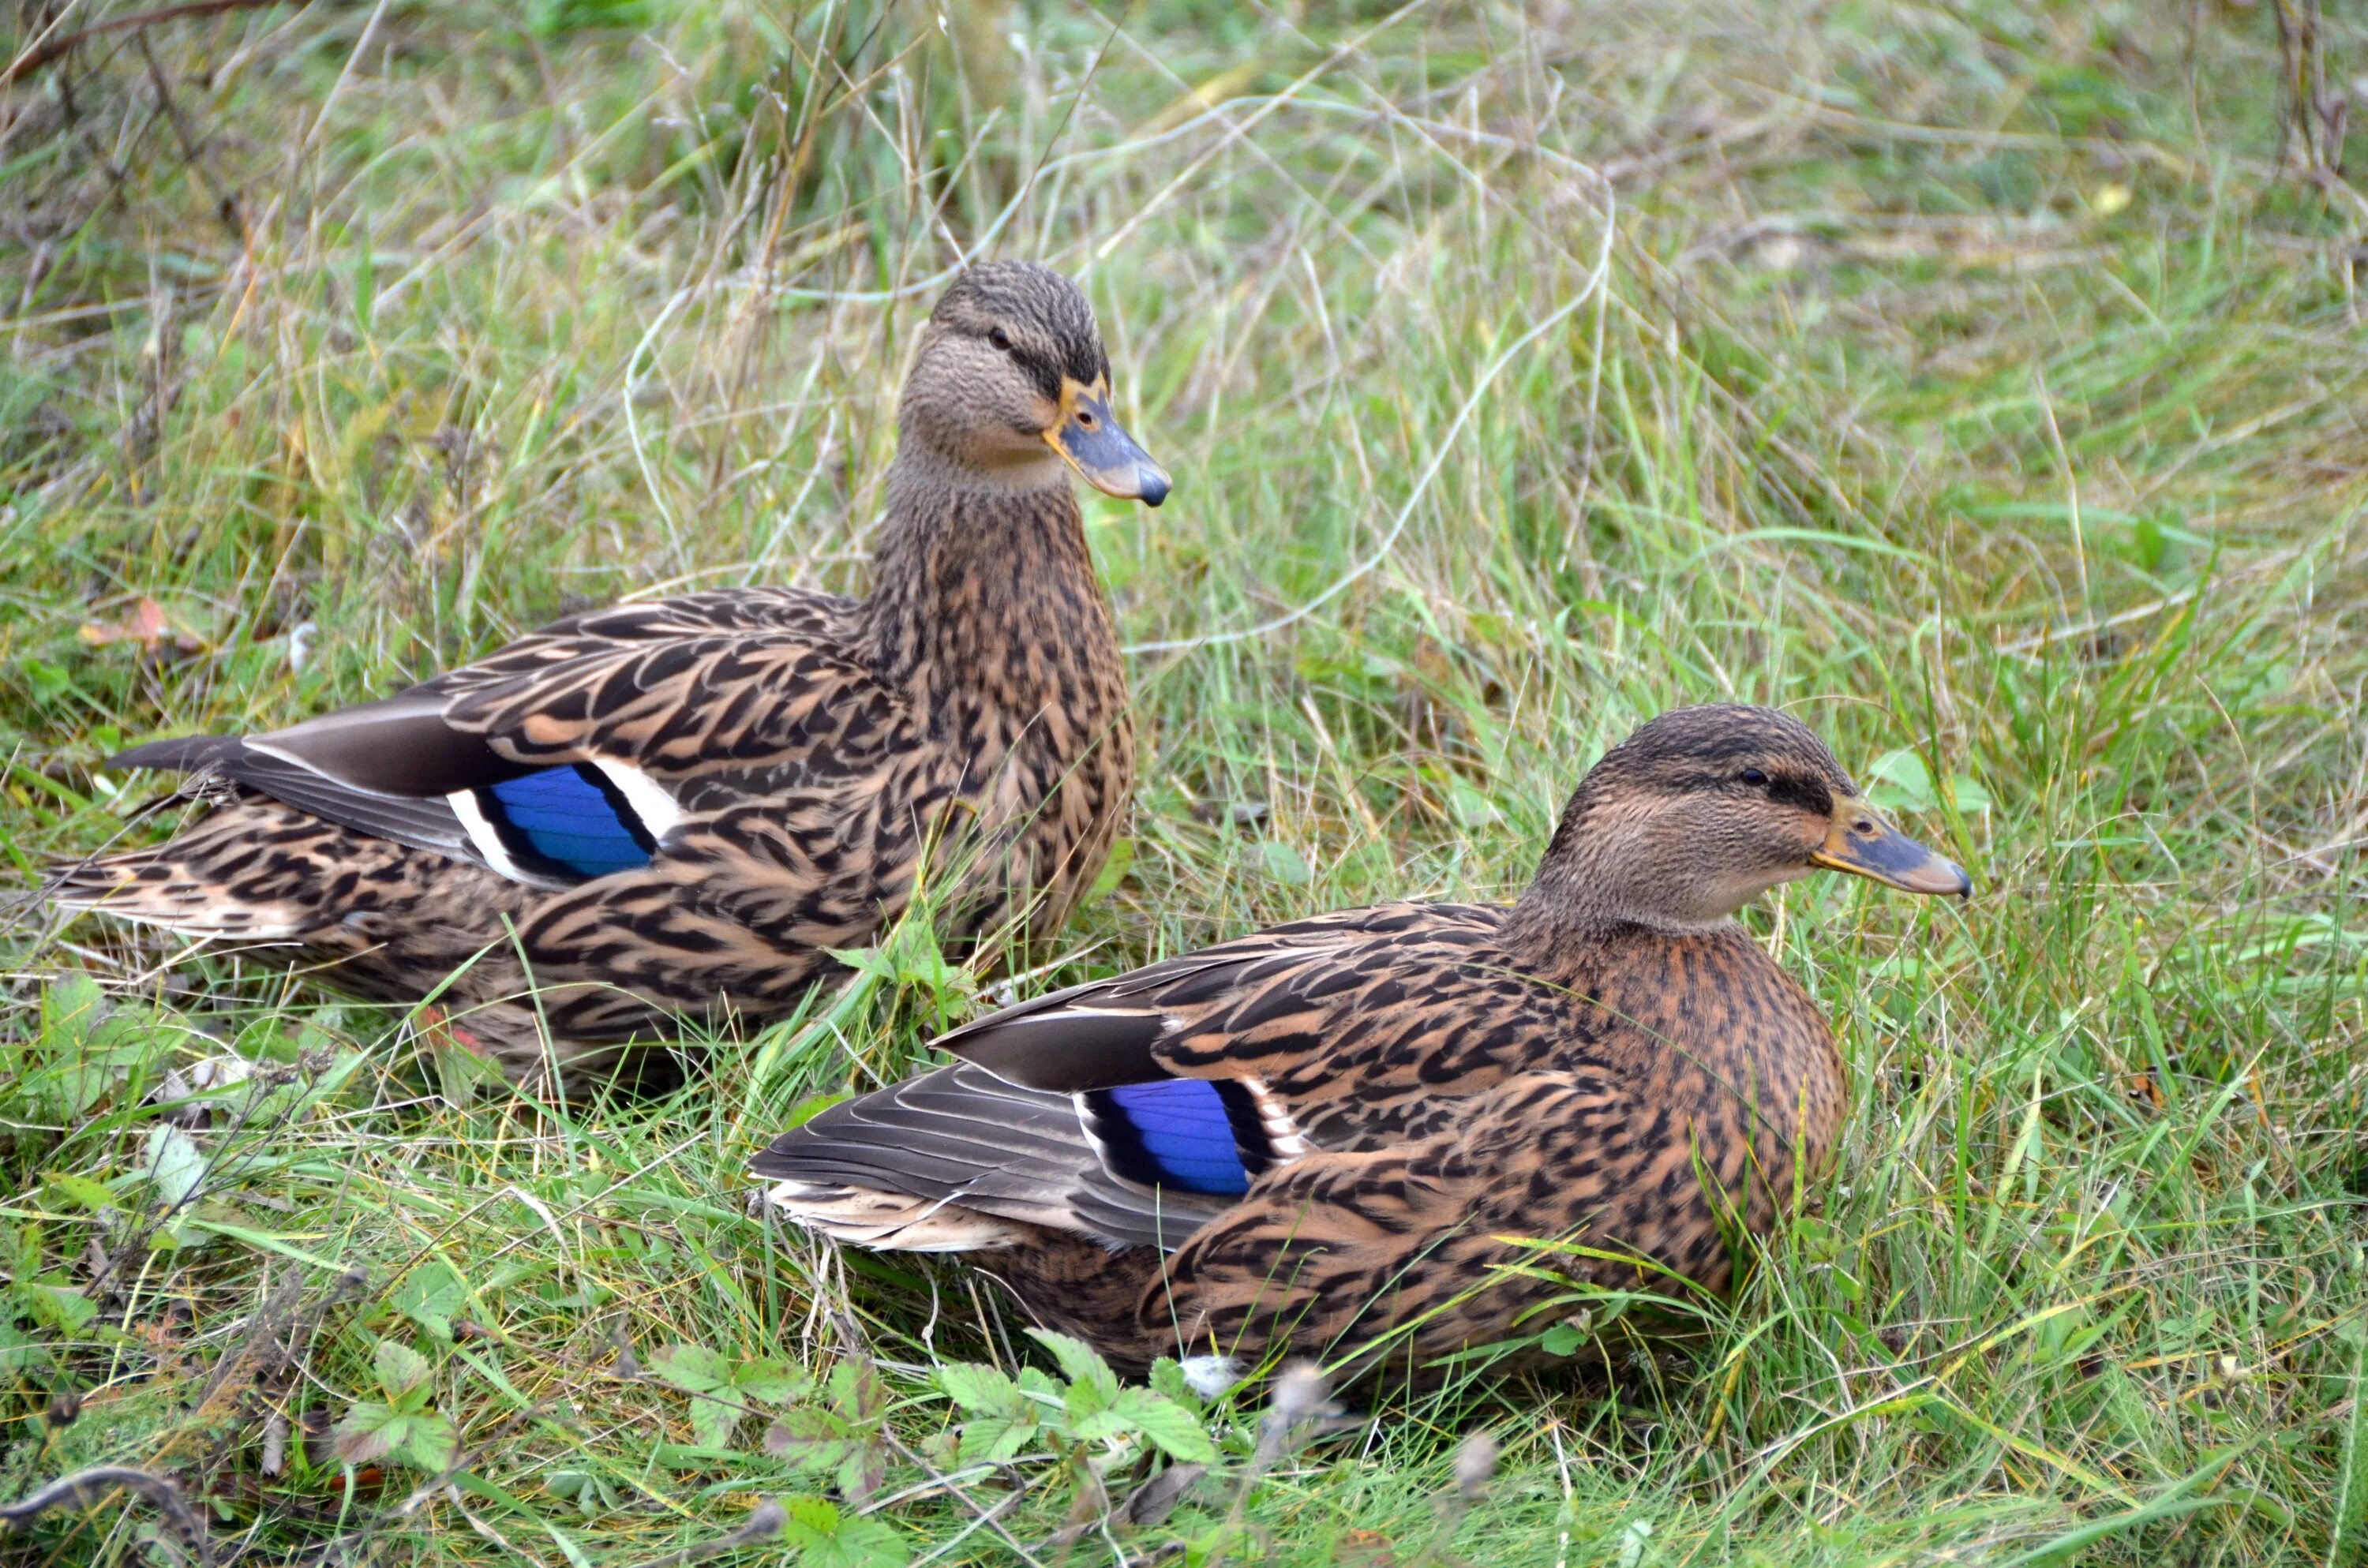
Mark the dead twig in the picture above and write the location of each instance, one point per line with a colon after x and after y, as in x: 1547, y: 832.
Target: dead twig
x: 2314, y: 118
x: 42, y: 55
x: 90, y: 1487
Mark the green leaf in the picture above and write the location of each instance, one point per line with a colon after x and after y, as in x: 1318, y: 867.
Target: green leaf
x: 861, y: 1471
x: 175, y: 1163
x: 1176, y: 1430
x: 399, y: 1367
x: 714, y: 1420
x: 806, y: 1109
x: 910, y: 956
x: 1562, y: 1339
x: 981, y: 1390
x: 825, y: 1538
x: 72, y: 1007
x: 1077, y: 1361
x: 372, y: 1431
x: 857, y: 1395
x: 368, y: 1433
x: 429, y: 1296
x: 694, y: 1368
x: 997, y: 1437
x: 1902, y: 783
x: 430, y: 1442
x: 1114, y: 870
x: 2151, y: 543
x: 1285, y: 864
x: 1088, y: 1425
x: 19, y: 1352
x: 59, y: 1306
x: 79, y: 1192
x: 1085, y: 1399
x: 820, y: 1439
x: 810, y: 1519
x: 812, y: 1439
x: 872, y: 961
x: 1168, y: 1379
x: 770, y: 1381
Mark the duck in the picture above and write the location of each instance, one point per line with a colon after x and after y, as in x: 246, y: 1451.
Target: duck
x: 674, y: 811
x: 1393, y: 1136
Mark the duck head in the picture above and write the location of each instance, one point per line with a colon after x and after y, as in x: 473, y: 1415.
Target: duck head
x: 1011, y: 381
x: 1704, y: 809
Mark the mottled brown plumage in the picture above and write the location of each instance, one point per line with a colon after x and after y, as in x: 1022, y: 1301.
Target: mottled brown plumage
x: 1407, y: 1091
x: 673, y: 809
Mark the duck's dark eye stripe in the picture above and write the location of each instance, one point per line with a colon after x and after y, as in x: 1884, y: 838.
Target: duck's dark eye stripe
x: 1807, y: 793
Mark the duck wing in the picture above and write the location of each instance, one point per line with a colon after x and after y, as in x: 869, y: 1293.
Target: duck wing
x: 570, y: 754
x: 1166, y: 1093
x: 1342, y: 1029
x: 933, y: 1162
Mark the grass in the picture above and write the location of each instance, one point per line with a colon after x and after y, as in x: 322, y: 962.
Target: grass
x: 1981, y: 381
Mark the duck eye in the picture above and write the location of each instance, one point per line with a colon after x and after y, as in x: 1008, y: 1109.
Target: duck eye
x: 1086, y: 418
x: 1752, y: 777
x: 1001, y: 339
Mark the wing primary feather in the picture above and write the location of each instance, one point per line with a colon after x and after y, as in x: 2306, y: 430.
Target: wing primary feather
x: 182, y: 754
x: 966, y: 1139
x: 401, y: 746
x: 425, y: 823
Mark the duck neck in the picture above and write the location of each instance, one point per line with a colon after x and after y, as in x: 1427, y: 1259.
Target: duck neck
x: 978, y: 577
x: 1605, y: 876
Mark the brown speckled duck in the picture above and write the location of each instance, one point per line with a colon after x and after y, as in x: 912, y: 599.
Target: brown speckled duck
x: 1335, y: 1129
x: 674, y: 808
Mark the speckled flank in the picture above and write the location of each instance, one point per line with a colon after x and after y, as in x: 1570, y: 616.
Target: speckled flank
x: 967, y: 723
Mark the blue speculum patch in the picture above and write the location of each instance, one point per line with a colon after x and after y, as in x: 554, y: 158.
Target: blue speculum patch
x: 1176, y: 1132
x: 567, y: 820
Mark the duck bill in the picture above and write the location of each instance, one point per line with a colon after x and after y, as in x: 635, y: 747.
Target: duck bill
x: 1102, y: 451
x: 1864, y: 844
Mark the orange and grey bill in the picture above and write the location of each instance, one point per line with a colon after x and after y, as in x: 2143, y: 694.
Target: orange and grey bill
x: 1099, y: 447
x: 1864, y: 844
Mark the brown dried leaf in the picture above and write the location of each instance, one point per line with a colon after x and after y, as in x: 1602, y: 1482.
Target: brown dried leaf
x: 144, y: 624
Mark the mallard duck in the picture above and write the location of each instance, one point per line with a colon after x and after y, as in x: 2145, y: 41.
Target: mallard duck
x: 674, y: 808
x: 1312, y: 1137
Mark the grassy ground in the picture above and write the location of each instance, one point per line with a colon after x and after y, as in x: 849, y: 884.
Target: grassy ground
x: 1981, y: 381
